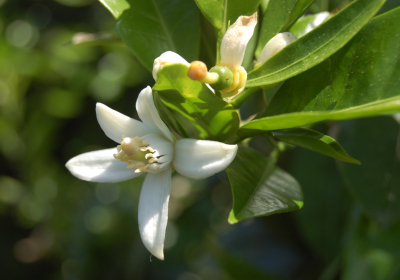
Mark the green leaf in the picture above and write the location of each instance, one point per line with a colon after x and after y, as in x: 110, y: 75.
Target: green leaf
x: 297, y: 11
x: 150, y: 28
x: 116, y: 7
x: 219, y: 12
x: 200, y: 111
x: 236, y: 267
x: 371, y: 251
x: 171, y: 120
x: 260, y: 188
x: 303, y: 25
x: 321, y: 219
x: 274, y: 18
x: 314, y: 141
x: 376, y: 183
x: 359, y: 81
x: 317, y: 45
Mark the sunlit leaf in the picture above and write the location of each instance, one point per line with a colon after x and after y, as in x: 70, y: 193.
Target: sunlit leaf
x: 150, y: 28
x: 260, y: 188
x: 193, y: 105
x: 359, y: 81
x: 314, y: 47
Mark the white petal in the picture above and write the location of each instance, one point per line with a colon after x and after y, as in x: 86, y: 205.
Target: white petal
x: 277, y: 43
x: 199, y: 159
x: 149, y: 115
x: 235, y: 40
x: 153, y: 211
x: 167, y: 58
x: 115, y: 125
x: 100, y: 166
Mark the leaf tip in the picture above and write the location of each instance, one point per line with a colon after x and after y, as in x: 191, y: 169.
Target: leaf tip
x: 299, y: 203
x: 232, y: 219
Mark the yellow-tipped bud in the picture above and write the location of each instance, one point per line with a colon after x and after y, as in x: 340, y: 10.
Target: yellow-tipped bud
x: 197, y: 70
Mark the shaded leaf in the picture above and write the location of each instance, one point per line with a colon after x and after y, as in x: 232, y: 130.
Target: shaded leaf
x: 376, y: 183
x: 260, y: 188
x: 321, y: 220
x: 314, y: 141
x: 219, y: 12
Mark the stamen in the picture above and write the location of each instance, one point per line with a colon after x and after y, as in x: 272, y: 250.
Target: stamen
x: 147, y: 167
x: 147, y: 156
x: 135, y: 165
x: 152, y: 160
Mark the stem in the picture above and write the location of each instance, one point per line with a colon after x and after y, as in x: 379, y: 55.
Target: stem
x: 240, y: 98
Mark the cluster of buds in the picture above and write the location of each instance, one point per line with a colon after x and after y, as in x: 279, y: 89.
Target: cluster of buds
x: 228, y: 76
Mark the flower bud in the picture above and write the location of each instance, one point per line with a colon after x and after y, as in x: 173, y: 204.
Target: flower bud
x: 274, y: 45
x: 225, y: 79
x: 197, y: 71
x: 165, y: 59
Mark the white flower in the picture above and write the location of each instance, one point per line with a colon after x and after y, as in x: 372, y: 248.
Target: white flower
x: 149, y: 147
x: 276, y: 44
x: 233, y: 47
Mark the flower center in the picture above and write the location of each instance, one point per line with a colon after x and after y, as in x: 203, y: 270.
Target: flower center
x: 137, y: 153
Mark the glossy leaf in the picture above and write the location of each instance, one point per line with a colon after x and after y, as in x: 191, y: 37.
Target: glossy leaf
x: 298, y: 10
x: 274, y: 18
x: 116, y: 7
x: 260, y: 188
x: 359, y: 81
x: 201, y: 113
x: 315, y: 141
x: 219, y: 12
x: 376, y: 183
x: 308, y: 23
x: 150, y: 28
x: 314, y: 47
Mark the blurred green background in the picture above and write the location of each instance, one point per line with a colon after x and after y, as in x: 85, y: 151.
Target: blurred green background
x: 54, y: 226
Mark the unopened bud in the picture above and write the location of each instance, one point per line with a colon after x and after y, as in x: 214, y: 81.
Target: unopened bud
x: 197, y: 70
x: 273, y: 46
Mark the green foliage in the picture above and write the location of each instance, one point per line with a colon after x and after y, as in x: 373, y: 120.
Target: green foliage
x: 157, y: 27
x: 376, y: 183
x: 259, y: 188
x: 193, y: 106
x: 314, y: 141
x: 51, y: 75
x: 356, y: 82
x: 316, y: 46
